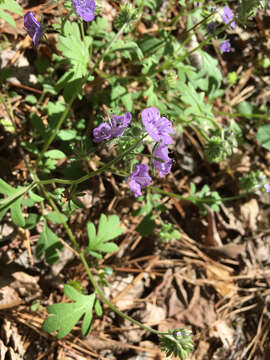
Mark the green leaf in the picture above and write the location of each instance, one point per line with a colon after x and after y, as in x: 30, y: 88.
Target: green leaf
x: 31, y: 99
x: 48, y: 243
x: 55, y: 218
x: 151, y: 45
x: 12, y: 201
x: 213, y: 75
x: 55, y: 154
x: 67, y: 135
x: 192, y: 188
x: 245, y: 107
x: 108, y: 247
x: 7, y: 18
x: 7, y: 123
x: 147, y: 225
x: 108, y: 229
x: 35, y: 197
x: 16, y: 213
x: 98, y: 308
x: 99, y: 27
x: 76, y: 51
x: 127, y: 102
x: 128, y: 49
x: 117, y: 92
x: 11, y: 5
x: 94, y: 254
x: 64, y: 316
x: 263, y: 136
x: 198, y: 108
x: 31, y: 221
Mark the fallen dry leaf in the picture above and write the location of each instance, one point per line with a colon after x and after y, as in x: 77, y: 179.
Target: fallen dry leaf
x: 220, y: 280
x: 249, y: 213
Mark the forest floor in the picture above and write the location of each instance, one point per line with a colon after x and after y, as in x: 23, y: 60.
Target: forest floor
x: 215, y: 278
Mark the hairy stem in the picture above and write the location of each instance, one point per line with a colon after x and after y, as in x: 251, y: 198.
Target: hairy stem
x: 93, y: 173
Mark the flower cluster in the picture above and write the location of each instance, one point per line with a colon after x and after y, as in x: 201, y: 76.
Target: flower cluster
x: 158, y: 127
x: 228, y: 17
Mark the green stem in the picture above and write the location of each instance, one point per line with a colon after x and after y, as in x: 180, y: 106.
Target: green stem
x: 82, y: 31
x: 75, y: 93
x: 64, y: 223
x: 117, y: 35
x: 4, y: 202
x: 93, y: 173
x: 195, y: 199
x: 8, y: 109
x: 111, y: 306
x: 56, y: 129
x: 140, y: 10
x: 237, y: 114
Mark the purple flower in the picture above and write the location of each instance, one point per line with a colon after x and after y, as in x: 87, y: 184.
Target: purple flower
x: 211, y: 27
x: 159, y: 128
x: 225, y: 46
x: 114, y: 129
x: 139, y: 178
x: 268, y: 4
x: 102, y: 132
x: 85, y: 9
x: 228, y: 16
x: 33, y: 27
x: 266, y: 187
x: 119, y: 124
x: 164, y: 166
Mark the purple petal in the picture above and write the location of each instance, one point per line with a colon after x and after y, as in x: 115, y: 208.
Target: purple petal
x: 225, y: 46
x: 33, y: 27
x: 139, y: 178
x: 102, y: 132
x: 37, y: 36
x: 85, y: 9
x: 266, y: 187
x: 135, y: 187
x: 164, y: 167
x: 159, y: 128
x: 119, y: 124
x: 228, y: 16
